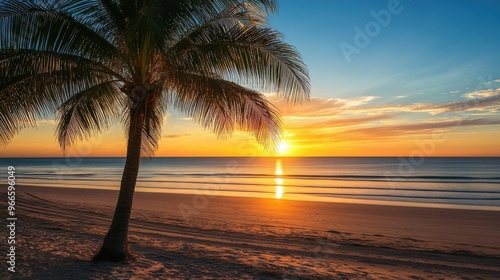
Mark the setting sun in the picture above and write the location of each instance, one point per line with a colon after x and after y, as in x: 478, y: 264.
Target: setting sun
x: 278, y: 172
x: 250, y: 139
x: 279, y: 192
x: 283, y: 148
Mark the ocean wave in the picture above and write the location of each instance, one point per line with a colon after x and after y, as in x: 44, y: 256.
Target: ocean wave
x: 246, y: 184
x: 375, y: 178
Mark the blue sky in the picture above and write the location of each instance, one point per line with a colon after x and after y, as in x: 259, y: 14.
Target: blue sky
x: 432, y: 50
x: 427, y: 83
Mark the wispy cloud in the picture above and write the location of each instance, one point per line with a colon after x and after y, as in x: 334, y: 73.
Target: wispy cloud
x: 49, y: 122
x: 179, y: 135
x: 482, y: 103
x: 319, y: 107
x: 311, y: 135
x: 345, y: 120
x: 323, y: 123
x: 419, y: 128
x: 479, y: 100
x: 353, y: 121
x: 481, y: 93
x: 357, y: 101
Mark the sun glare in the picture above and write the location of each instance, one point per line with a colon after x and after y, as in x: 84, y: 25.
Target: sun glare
x: 283, y: 148
x: 279, y: 192
x: 278, y: 172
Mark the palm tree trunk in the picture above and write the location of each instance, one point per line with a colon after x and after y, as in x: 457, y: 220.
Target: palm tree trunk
x: 115, y: 245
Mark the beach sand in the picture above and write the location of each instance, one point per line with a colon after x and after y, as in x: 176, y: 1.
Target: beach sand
x: 214, y: 237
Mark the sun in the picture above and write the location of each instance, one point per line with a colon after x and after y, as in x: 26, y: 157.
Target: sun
x: 283, y: 148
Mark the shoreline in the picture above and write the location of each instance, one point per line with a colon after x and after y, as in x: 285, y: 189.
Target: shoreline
x: 320, y: 216
x: 275, y: 157
x: 191, y: 237
x: 210, y: 193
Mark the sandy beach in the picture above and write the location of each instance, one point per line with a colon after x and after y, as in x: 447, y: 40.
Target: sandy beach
x: 213, y: 237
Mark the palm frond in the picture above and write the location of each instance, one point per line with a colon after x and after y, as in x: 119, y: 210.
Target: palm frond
x: 223, y: 106
x: 31, y: 62
x: 42, y: 93
x: 242, y: 14
x: 206, y: 58
x: 30, y: 26
x: 102, y: 16
x: 88, y: 112
x: 13, y: 118
x: 167, y: 21
x: 246, y: 55
x: 28, y: 97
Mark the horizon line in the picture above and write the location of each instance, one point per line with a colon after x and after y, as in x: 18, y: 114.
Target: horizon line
x: 401, y: 156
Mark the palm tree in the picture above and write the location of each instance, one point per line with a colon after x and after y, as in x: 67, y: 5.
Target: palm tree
x: 95, y: 62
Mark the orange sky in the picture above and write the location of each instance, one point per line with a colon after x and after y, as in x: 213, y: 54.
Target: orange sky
x: 321, y: 127
x: 417, y: 89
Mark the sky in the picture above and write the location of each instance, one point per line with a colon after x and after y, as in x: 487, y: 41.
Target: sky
x: 389, y: 78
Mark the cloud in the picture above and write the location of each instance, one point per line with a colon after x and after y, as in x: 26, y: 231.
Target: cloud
x: 353, y: 121
x: 48, y: 122
x: 313, y: 135
x: 490, y: 103
x: 401, y: 97
x: 481, y: 93
x: 462, y: 106
x: 315, y: 107
x: 358, y: 101
x: 324, y: 121
x: 178, y: 135
x: 318, y: 107
x: 421, y: 128
x: 336, y: 120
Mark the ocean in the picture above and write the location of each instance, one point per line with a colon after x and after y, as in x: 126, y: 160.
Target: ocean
x: 428, y: 182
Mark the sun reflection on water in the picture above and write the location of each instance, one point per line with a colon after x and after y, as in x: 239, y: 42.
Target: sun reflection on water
x: 279, y: 180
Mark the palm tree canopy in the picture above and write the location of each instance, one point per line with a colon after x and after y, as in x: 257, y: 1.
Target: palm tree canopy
x: 93, y: 61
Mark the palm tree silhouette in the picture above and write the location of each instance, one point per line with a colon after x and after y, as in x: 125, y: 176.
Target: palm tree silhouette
x: 95, y: 62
